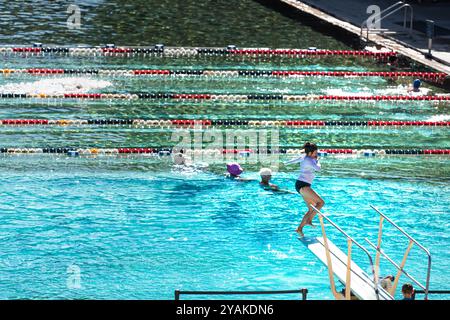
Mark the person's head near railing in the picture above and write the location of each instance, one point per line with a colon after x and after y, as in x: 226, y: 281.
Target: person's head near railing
x: 386, y: 282
x: 408, y: 291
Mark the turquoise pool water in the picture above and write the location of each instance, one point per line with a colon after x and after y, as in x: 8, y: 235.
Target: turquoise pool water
x: 134, y: 227
x: 138, y: 229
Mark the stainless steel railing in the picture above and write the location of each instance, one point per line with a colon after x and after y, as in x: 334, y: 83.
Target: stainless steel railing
x: 391, y: 10
x: 400, y: 267
x: 302, y: 291
x: 350, y: 240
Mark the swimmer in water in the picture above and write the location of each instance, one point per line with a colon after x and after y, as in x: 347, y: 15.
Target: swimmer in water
x: 266, y: 176
x: 309, y: 163
x: 416, y: 86
x: 179, y: 159
x: 234, y: 172
x: 183, y: 162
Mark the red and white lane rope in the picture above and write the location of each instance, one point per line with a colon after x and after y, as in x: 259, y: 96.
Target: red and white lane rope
x: 198, y: 97
x: 215, y: 151
x: 191, y: 123
x: 182, y: 73
x: 162, y: 51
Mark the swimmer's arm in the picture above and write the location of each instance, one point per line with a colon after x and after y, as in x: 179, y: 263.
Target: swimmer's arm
x: 245, y: 179
x: 227, y: 175
x: 283, y: 190
x: 275, y: 188
x: 295, y: 160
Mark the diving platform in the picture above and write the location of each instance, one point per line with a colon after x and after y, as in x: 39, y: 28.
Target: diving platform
x: 360, y: 285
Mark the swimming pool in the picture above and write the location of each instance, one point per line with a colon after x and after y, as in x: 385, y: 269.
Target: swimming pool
x: 110, y: 225
x: 137, y: 229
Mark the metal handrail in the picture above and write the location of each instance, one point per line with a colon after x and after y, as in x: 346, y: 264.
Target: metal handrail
x: 412, y: 240
x: 433, y: 291
x: 303, y: 291
x: 365, y: 21
x: 380, y: 18
x: 390, y: 7
x: 382, y: 11
x: 375, y: 280
x: 396, y: 265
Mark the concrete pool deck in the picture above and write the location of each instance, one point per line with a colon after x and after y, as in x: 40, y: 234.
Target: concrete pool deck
x: 349, y: 15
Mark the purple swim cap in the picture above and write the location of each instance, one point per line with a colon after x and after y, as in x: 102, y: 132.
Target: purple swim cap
x: 234, y: 168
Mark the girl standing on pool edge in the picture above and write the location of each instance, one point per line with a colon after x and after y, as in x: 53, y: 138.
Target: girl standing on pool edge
x: 309, y: 163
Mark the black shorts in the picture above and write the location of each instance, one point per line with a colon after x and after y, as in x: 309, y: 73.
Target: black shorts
x: 300, y: 184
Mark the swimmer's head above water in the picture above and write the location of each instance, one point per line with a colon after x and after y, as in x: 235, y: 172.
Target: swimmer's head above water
x: 416, y: 85
x: 266, y: 175
x: 234, y: 169
x: 179, y: 159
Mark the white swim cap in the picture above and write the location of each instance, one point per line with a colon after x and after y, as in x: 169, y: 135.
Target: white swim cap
x: 265, y: 172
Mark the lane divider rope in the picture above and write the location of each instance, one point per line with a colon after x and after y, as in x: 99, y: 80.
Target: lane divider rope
x: 161, y: 51
x: 195, y: 97
x: 177, y: 123
x: 169, y: 151
x: 433, y: 76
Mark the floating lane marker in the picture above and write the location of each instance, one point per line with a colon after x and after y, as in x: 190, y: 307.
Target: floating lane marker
x: 198, y: 97
x: 167, y: 151
x: 161, y: 51
x: 191, y: 123
x: 181, y: 73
